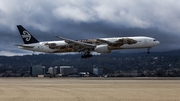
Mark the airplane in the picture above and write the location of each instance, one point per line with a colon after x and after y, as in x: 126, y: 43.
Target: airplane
x: 87, y: 46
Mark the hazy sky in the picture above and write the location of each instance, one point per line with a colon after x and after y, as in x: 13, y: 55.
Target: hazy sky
x: 81, y: 19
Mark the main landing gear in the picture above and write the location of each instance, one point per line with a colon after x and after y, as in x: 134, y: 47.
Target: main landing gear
x: 148, y: 51
x: 86, y: 55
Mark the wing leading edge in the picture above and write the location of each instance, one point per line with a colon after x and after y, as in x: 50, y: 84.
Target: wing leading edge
x: 81, y: 44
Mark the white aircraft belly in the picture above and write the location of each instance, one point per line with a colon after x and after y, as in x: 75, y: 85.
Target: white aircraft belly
x: 137, y: 45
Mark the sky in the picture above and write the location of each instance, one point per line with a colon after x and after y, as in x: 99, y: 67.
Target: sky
x: 83, y: 19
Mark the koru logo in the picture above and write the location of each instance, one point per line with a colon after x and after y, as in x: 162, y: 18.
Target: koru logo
x: 26, y: 35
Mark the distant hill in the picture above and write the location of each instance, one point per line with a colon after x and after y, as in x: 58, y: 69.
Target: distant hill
x: 111, y: 62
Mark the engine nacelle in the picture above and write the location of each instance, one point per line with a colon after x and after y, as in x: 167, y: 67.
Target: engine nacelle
x: 102, y: 49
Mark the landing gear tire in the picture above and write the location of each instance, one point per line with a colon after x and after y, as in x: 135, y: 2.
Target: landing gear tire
x: 148, y: 51
x: 86, y: 55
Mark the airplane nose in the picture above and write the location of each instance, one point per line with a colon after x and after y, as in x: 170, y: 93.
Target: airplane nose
x: 157, y: 42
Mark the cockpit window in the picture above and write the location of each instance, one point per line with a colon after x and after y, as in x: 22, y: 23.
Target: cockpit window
x: 154, y: 40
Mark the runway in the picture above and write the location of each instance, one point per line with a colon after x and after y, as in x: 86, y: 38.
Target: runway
x: 89, y: 89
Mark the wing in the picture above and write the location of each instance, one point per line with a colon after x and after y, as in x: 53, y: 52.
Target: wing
x: 81, y: 45
x: 104, y: 41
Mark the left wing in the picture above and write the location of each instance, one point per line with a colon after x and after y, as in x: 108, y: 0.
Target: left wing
x: 80, y: 44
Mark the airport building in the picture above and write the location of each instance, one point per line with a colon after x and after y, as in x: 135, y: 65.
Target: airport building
x: 57, y: 70
x: 98, y: 71
x: 37, y: 70
x: 50, y: 70
x: 66, y: 70
x: 54, y: 70
x: 62, y: 70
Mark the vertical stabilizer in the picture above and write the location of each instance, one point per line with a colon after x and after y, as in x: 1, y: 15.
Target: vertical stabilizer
x: 26, y: 36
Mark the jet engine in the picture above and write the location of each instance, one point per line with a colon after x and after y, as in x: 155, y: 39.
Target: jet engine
x: 102, y: 49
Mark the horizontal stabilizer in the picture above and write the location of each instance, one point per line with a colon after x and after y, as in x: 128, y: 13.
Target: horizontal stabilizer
x: 25, y: 46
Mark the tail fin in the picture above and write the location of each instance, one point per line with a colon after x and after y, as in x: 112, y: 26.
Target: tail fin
x: 26, y: 36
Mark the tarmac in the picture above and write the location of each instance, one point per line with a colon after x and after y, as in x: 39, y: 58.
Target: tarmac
x: 89, y: 89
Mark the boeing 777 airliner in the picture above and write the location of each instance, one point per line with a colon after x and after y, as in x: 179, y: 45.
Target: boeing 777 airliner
x: 99, y: 45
